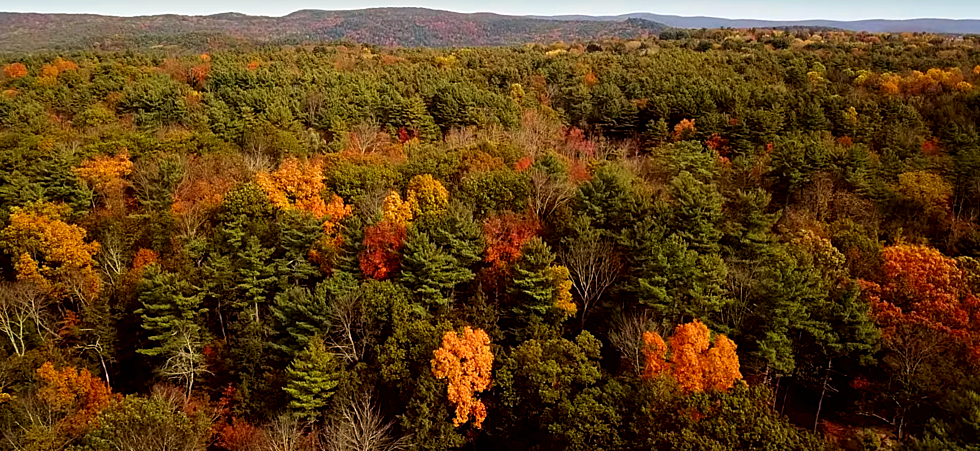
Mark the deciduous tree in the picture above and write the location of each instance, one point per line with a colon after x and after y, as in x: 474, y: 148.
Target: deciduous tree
x: 464, y: 360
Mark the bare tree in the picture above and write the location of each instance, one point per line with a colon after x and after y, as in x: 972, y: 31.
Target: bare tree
x: 284, y: 433
x: 627, y: 337
x: 358, y: 426
x: 111, y: 256
x: 347, y: 326
x: 23, y: 304
x: 549, y: 192
x: 185, y: 362
x: 593, y: 264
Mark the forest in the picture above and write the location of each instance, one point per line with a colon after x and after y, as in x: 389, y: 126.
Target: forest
x: 697, y: 240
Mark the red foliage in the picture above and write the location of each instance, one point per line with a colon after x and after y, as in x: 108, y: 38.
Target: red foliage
x: 845, y: 141
x: 78, y: 395
x: 506, y: 235
x: 931, y: 147
x: 383, y: 243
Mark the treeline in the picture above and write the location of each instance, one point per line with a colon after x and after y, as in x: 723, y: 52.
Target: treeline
x: 713, y: 240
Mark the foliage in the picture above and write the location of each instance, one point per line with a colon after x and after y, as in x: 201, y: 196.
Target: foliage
x: 465, y: 361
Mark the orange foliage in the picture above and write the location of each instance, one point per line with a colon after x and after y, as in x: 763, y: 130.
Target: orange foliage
x: 694, y: 362
x: 976, y: 70
x: 684, y: 130
x: 383, y: 243
x: 15, y: 70
x: 252, y: 65
x: 295, y: 185
x: 76, y: 394
x: 523, y: 164
x: 204, y: 186
x: 465, y: 361
x: 924, y: 288
x: 331, y: 240
x: 591, y: 79
x: 105, y: 171
x: 199, y: 74
x: 50, y: 252
x: 143, y: 258
x: 505, y: 236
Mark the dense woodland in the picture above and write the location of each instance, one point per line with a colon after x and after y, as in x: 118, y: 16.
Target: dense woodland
x: 714, y: 240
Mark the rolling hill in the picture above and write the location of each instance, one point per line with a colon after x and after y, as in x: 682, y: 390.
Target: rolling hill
x: 874, y: 26
x: 21, y: 32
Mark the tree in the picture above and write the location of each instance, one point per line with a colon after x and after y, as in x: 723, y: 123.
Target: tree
x: 383, y: 243
x: 171, y: 312
x: 396, y: 211
x: 559, y: 396
x: 312, y: 377
x: 431, y: 271
x: 50, y: 252
x: 295, y: 185
x: 426, y: 195
x: 75, y: 396
x: 695, y: 362
x: 164, y: 421
x: 464, y: 360
x: 15, y: 70
x: 697, y: 213
x: 592, y: 262
x: 23, y: 304
x: 542, y: 291
x: 106, y: 176
x: 358, y: 425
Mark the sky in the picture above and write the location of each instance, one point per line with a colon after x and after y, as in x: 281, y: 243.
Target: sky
x: 753, y: 9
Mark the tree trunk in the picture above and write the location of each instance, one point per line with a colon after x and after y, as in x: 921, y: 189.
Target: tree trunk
x: 816, y: 420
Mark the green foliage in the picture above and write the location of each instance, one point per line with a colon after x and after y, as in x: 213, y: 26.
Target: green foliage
x: 312, y: 377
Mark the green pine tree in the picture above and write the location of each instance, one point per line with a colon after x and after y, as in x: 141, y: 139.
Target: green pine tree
x: 312, y: 377
x: 430, y: 271
x: 171, y: 309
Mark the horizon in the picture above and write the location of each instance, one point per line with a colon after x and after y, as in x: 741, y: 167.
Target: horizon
x: 832, y: 10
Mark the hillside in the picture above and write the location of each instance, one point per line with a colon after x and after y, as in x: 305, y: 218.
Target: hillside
x: 873, y: 26
x: 381, y: 26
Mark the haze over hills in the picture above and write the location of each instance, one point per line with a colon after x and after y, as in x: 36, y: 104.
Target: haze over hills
x: 961, y: 26
x: 381, y: 26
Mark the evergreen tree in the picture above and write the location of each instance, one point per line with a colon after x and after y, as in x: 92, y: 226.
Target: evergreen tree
x: 430, y: 271
x: 312, y: 377
x: 697, y: 213
x: 171, y: 309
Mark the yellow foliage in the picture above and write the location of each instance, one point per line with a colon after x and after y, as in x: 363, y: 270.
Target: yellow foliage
x: 930, y: 190
x: 295, y: 185
x: 976, y: 70
x: 465, y: 361
x: 426, y: 195
x: 105, y: 172
x: 562, y: 282
x: 396, y: 211
x: 50, y: 251
x: 964, y: 86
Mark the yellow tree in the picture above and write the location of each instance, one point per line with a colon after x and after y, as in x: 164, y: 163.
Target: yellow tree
x: 295, y: 185
x: 51, y: 252
x: 465, y: 361
x: 426, y: 195
x: 106, y: 175
x: 396, y: 211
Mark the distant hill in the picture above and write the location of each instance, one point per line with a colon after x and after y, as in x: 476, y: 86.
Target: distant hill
x: 874, y: 26
x: 383, y: 26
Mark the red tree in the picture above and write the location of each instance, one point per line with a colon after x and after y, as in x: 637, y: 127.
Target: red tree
x: 383, y: 243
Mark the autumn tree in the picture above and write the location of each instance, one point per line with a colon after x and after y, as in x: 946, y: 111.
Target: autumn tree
x: 200, y: 192
x: 15, y: 70
x: 106, y: 176
x: 50, y: 252
x: 383, y: 243
x: 505, y: 236
x: 426, y: 195
x: 694, y: 361
x: 395, y: 210
x: 464, y: 360
x: 76, y: 396
x: 295, y: 184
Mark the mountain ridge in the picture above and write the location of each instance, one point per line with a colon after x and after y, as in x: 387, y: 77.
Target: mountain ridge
x: 927, y: 25
x: 25, y: 32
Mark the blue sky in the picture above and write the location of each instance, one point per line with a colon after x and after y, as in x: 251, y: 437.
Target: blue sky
x: 754, y: 9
